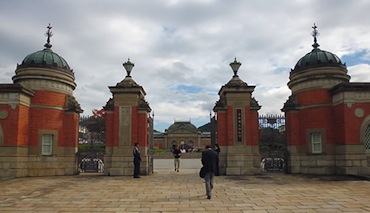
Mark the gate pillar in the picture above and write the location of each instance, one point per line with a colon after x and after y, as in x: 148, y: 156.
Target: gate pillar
x: 237, y: 127
x: 127, y: 116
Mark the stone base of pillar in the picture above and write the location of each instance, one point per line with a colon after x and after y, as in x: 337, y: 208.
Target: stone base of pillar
x: 243, y: 164
x: 120, y: 161
x: 15, y: 162
x: 339, y: 160
x: 242, y: 161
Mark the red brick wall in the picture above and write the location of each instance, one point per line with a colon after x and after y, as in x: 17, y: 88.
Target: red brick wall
x: 254, y: 127
x: 311, y: 116
x: 221, y: 128
x: 314, y: 97
x: 71, y: 122
x: 142, y: 129
x: 230, y: 127
x: 49, y: 116
x: 134, y: 128
x: 49, y: 98
x: 225, y: 130
x: 45, y: 119
x: 317, y: 118
x: 10, y: 125
x: 339, y: 124
x: 116, y: 126
x: 109, y: 127
x: 292, y: 128
x: 248, y: 126
x: 347, y: 125
x: 23, y: 125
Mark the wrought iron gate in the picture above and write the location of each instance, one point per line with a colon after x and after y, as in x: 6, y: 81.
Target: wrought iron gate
x: 91, y: 161
x: 91, y: 146
x: 272, y: 141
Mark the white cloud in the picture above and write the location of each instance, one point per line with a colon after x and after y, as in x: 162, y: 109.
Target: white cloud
x: 182, y: 42
x: 359, y: 73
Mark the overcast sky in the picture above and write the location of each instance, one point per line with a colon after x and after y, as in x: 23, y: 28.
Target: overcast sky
x: 182, y: 48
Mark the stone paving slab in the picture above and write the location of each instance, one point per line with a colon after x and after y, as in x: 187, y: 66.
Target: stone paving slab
x: 169, y: 191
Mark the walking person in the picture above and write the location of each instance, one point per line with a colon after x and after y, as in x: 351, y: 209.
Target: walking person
x: 177, y: 154
x: 209, y: 162
x: 137, y: 159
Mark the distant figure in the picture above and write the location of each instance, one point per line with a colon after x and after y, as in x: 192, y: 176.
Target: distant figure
x: 137, y: 160
x: 218, y: 150
x: 176, y: 154
x: 209, y: 161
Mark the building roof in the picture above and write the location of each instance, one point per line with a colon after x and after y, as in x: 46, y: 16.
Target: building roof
x: 182, y: 125
x: 45, y: 58
x: 317, y: 57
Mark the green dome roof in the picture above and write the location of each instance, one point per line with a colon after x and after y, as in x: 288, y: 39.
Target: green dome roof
x: 45, y: 58
x: 317, y: 58
x: 182, y: 125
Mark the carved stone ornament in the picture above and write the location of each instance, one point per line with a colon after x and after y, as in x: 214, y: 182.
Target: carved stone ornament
x: 221, y: 103
x: 3, y: 114
x: 359, y: 112
x: 143, y: 105
x: 254, y: 103
x: 109, y: 106
x: 291, y: 103
x: 73, y: 105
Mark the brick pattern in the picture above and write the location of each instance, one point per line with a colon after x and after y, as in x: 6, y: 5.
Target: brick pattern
x: 155, y: 193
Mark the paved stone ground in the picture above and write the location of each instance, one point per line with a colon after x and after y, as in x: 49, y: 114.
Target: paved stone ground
x: 170, y: 191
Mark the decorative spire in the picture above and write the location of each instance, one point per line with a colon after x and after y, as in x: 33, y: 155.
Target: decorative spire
x: 235, y: 67
x: 128, y: 67
x: 48, y: 34
x: 315, y: 33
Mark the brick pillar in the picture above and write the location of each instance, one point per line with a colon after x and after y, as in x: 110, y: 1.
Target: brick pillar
x: 126, y: 124
x: 237, y: 128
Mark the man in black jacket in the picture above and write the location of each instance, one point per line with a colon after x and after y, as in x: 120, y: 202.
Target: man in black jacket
x: 137, y: 160
x: 209, y: 161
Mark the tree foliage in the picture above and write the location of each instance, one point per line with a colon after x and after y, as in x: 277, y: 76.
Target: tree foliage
x: 271, y: 139
x: 94, y: 128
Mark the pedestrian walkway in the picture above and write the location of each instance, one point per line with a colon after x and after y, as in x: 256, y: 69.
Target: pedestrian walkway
x: 169, y: 191
x: 194, y: 163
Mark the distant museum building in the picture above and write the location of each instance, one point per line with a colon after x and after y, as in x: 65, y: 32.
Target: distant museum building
x: 182, y: 133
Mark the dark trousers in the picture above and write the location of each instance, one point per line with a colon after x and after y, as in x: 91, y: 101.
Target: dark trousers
x: 137, y: 167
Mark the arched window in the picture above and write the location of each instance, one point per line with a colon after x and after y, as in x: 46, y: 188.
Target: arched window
x: 191, y: 144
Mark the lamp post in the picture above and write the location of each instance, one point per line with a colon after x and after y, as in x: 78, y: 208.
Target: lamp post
x: 128, y: 67
x: 235, y: 67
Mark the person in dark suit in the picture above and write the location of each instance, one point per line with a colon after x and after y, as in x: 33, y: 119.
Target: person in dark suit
x: 137, y: 160
x: 209, y: 161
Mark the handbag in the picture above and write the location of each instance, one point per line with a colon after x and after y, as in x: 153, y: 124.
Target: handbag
x: 202, y: 172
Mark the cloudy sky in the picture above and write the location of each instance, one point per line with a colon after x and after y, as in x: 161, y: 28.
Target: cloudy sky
x: 182, y: 48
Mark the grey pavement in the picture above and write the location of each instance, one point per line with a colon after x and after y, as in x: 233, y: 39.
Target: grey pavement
x: 192, y: 163
x: 168, y: 191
